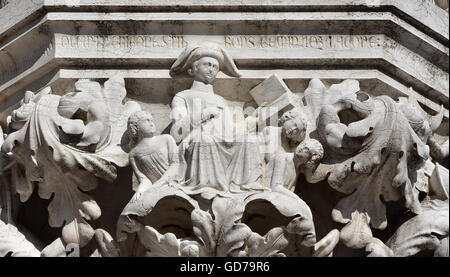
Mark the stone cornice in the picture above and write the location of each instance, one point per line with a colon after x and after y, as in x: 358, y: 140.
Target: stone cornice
x: 425, y: 16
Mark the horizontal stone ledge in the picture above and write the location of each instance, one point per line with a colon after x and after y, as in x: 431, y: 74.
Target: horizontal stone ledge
x: 248, y: 17
x: 45, y: 66
x: 239, y: 35
x: 311, y: 51
x: 420, y: 13
x: 157, y: 84
x: 377, y: 78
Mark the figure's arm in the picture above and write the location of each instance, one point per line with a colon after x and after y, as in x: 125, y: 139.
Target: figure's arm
x: 251, y: 122
x: 278, y: 171
x: 272, y: 142
x: 144, y: 182
x: 180, y: 119
x: 171, y: 172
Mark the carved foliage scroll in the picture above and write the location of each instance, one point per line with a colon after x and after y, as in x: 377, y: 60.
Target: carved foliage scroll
x: 65, y: 144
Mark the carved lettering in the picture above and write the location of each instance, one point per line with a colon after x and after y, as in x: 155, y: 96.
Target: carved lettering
x: 122, y: 42
x: 305, y: 41
x: 234, y: 42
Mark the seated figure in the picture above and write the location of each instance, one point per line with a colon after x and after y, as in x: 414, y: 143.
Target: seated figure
x: 284, y: 168
x: 214, y: 157
x: 287, y: 153
x: 154, y: 159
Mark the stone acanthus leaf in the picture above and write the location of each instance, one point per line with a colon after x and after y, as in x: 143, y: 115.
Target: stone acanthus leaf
x: 325, y: 247
x: 220, y: 235
x: 268, y: 246
x: 392, y: 150
x: 55, y: 249
x: 317, y: 96
x: 373, y: 148
x: 166, y: 245
x: 65, y: 144
x: 22, y: 185
x: 106, y: 245
x: 426, y: 231
x: 377, y: 248
x: 14, y: 243
x: 223, y: 236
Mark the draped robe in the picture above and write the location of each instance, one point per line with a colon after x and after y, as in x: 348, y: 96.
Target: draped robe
x: 213, y: 155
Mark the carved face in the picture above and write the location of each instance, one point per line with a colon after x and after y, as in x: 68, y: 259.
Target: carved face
x: 309, y: 159
x: 294, y: 130
x: 309, y: 153
x: 205, y: 70
x: 303, y: 155
x: 146, y: 127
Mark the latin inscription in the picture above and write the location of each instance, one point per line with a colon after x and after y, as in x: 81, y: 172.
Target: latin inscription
x: 397, y: 54
x: 237, y: 42
x: 121, y: 42
x: 307, y: 41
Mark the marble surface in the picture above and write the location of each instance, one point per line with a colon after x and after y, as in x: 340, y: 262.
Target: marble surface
x: 217, y: 128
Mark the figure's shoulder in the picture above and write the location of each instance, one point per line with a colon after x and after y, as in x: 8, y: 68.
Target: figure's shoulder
x: 167, y: 138
x: 184, y: 93
x: 133, y: 152
x: 181, y: 97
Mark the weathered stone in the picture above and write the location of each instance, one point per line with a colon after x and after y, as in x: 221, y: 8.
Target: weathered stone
x: 264, y: 128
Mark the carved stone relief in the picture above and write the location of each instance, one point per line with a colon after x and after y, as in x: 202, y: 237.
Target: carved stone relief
x: 225, y: 177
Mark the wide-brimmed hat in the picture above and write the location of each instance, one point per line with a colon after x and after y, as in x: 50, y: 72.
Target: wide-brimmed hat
x: 194, y: 52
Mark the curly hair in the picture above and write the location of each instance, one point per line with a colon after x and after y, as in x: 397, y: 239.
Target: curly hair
x: 296, y: 114
x: 312, y: 147
x: 133, y: 120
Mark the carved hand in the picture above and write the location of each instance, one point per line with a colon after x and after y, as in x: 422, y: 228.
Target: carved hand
x: 210, y: 113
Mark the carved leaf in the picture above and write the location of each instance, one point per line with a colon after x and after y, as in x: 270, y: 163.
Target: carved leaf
x: 295, y: 213
x: 387, y: 155
x: 233, y: 240
x: 14, y: 243
x: 114, y: 93
x: 166, y: 245
x: 55, y: 249
x: 442, y: 249
x: 204, y: 229
x: 317, y: 95
x: 377, y: 248
x: 268, y: 246
x: 189, y: 248
x: 325, y: 247
x: 19, y: 181
x: 65, y: 156
x: 357, y: 234
x: 221, y: 235
x: 227, y: 211
x: 106, y: 245
x: 230, y: 236
x: 422, y: 232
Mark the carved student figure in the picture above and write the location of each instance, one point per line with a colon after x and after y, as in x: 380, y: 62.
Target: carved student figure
x: 287, y: 153
x: 154, y: 159
x: 292, y: 131
x: 284, y: 168
x: 215, y: 157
